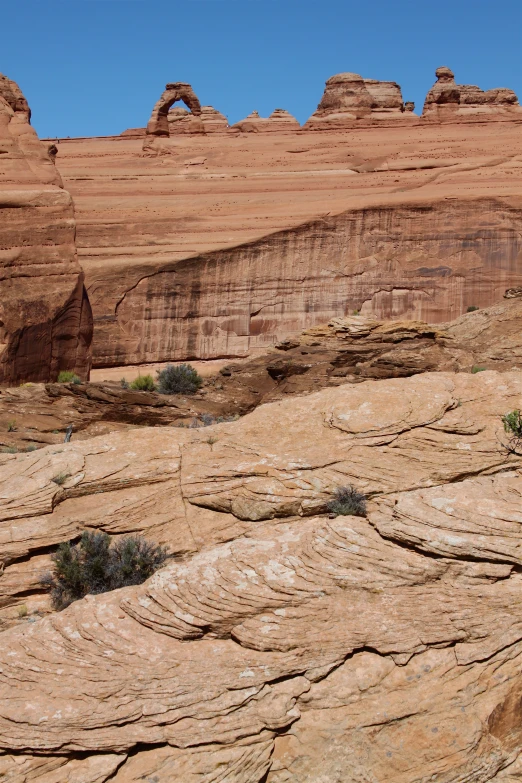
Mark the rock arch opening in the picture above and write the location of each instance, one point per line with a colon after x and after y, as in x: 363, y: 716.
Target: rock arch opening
x: 158, y: 125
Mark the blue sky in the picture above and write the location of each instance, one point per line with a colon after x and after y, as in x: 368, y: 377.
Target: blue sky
x: 96, y: 67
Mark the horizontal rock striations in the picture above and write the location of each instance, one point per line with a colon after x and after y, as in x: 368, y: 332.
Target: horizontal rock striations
x: 394, y: 263
x: 282, y: 644
x: 349, y: 100
x: 448, y: 101
x: 45, y: 316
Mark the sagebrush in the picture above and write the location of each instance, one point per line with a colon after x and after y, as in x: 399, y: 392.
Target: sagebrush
x: 348, y: 501
x: 513, y: 428
x: 143, y: 383
x: 96, y: 564
x: 179, y: 379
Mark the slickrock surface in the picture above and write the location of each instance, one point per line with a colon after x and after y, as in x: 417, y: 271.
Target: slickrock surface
x: 283, y: 645
x: 45, y: 317
x: 451, y: 102
x: 231, y: 242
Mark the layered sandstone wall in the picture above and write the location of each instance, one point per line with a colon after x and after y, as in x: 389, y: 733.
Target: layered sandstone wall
x: 411, y: 261
x: 45, y: 317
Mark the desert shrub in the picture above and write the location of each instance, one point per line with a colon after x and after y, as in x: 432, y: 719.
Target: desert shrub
x: 472, y: 308
x: 11, y: 425
x: 31, y: 447
x: 182, y: 379
x: 67, y: 376
x: 9, y: 450
x: 513, y: 427
x: 124, y: 383
x: 96, y: 565
x: 348, y: 501
x: 475, y: 369
x: 143, y: 383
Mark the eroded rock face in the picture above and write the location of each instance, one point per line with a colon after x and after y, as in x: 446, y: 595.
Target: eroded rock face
x: 349, y: 99
x: 284, y: 645
x: 181, y: 310
x: 448, y: 101
x: 45, y: 316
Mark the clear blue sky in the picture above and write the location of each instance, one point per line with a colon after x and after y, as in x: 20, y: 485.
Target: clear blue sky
x: 96, y: 67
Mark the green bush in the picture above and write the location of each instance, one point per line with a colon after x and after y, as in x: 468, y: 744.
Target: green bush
x: 96, y: 565
x: 475, y: 369
x: 472, y: 308
x: 348, y: 501
x: 143, y: 383
x: 513, y: 427
x: 182, y: 379
x: 67, y: 376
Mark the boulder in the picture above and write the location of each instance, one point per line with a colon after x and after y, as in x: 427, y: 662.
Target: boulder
x: 45, y: 316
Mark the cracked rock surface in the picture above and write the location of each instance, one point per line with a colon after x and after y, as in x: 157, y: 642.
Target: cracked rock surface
x: 280, y: 644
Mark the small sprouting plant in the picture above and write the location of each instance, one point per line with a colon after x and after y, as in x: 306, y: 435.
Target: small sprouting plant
x: 211, y: 440
x: 60, y: 478
x: 143, y: 383
x: 472, y: 308
x: 11, y: 425
x: 124, y: 383
x: 348, y: 501
x: 180, y: 379
x: 67, y: 376
x: 513, y: 428
x: 96, y: 565
x: 475, y: 369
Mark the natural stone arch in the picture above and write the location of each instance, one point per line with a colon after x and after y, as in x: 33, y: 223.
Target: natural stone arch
x: 158, y: 125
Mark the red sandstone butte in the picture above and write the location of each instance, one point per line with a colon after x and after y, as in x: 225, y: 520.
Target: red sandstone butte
x: 45, y: 317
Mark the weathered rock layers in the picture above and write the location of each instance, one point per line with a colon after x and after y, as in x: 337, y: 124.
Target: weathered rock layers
x: 283, y: 645
x: 45, y: 317
x: 448, y: 101
x: 386, y: 262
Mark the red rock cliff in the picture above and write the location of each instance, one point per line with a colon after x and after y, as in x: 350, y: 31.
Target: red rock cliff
x: 45, y: 317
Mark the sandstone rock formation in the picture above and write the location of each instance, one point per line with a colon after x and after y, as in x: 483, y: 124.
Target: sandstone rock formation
x: 448, y: 101
x: 182, y: 121
x: 282, y: 645
x: 158, y: 125
x: 45, y: 317
x: 347, y: 350
x: 349, y: 99
x: 279, y: 121
x: 278, y: 232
